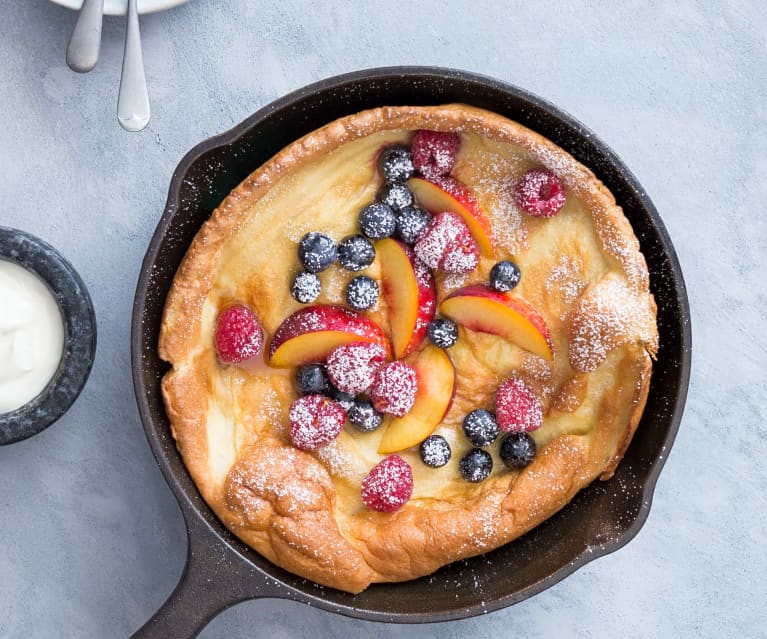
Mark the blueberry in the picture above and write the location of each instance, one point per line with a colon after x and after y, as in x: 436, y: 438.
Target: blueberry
x: 344, y: 399
x: 504, y: 276
x: 364, y: 417
x: 435, y: 451
x: 443, y: 332
x: 396, y: 164
x: 517, y: 450
x: 311, y: 379
x: 411, y: 221
x: 475, y: 466
x: 356, y: 253
x: 316, y: 252
x: 362, y: 293
x: 377, y: 220
x: 306, y: 287
x: 397, y: 196
x: 480, y: 427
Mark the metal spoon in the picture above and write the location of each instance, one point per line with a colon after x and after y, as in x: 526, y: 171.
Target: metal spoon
x: 133, y: 103
x: 85, y: 43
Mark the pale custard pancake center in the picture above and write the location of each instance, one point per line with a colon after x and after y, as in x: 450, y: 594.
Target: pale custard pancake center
x: 327, y: 194
x: 581, y: 271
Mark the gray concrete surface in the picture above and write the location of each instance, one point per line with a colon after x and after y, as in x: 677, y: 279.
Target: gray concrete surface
x: 91, y: 541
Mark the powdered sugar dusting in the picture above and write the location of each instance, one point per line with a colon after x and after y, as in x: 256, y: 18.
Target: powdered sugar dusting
x: 454, y: 280
x: 517, y: 408
x: 388, y: 486
x: 623, y: 249
x: 540, y: 193
x: 608, y: 314
x: 315, y: 421
x: 352, y: 367
x: 497, y: 183
x: 564, y: 280
x: 295, y: 228
x: 447, y: 244
x: 394, y: 389
x: 273, y: 477
x: 270, y: 411
x: 337, y: 458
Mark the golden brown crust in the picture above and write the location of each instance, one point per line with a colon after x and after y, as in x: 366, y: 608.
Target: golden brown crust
x: 284, y: 503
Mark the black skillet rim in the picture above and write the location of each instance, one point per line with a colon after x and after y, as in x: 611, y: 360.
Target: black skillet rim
x: 184, y: 489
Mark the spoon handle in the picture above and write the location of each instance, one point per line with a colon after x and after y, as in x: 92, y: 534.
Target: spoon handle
x: 133, y: 103
x: 85, y: 43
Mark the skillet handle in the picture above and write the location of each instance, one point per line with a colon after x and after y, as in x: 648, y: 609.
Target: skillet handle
x: 213, y: 579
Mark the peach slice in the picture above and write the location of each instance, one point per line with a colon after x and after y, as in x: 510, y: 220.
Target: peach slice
x: 410, y: 293
x: 312, y: 332
x: 436, y: 389
x: 480, y: 308
x: 448, y: 194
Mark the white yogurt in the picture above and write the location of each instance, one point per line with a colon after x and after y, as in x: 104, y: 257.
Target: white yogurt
x: 31, y: 336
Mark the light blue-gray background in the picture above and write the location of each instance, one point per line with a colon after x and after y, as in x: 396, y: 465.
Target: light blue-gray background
x: 91, y: 541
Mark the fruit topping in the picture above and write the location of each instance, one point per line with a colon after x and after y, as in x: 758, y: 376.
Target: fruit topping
x: 394, y: 389
x: 443, y: 332
x: 315, y: 420
x: 435, y: 451
x: 448, y: 194
x: 517, y: 409
x: 410, y: 294
x: 436, y: 387
x: 345, y: 400
x: 395, y: 163
x: 517, y: 450
x: 540, y: 193
x: 352, y: 367
x: 434, y: 152
x: 316, y: 252
x: 355, y: 253
x: 476, y: 465
x: 239, y: 336
x: 362, y: 293
x: 480, y: 427
x: 397, y: 196
x: 364, y: 417
x: 480, y: 308
x: 309, y: 334
x: 306, y: 287
x: 504, y: 276
x: 378, y: 220
x: 411, y: 222
x: 311, y: 379
x: 447, y: 244
x: 389, y: 484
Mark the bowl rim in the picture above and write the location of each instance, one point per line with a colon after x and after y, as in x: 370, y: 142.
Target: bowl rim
x: 79, y: 319
x: 181, y: 492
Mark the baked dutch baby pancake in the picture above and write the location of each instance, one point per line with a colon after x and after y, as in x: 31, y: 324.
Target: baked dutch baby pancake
x: 410, y: 337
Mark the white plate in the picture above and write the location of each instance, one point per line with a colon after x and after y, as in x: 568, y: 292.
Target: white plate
x: 119, y: 7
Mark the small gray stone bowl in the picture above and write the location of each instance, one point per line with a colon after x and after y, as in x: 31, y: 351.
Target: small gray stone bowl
x: 79, y: 334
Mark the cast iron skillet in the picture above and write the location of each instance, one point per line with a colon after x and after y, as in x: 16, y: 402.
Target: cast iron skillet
x: 221, y: 570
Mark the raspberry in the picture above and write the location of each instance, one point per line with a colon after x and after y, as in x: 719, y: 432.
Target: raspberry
x: 434, y: 153
x: 315, y: 420
x: 239, y: 336
x: 517, y: 409
x: 388, y: 486
x: 352, y: 367
x: 447, y: 244
x: 540, y: 193
x: 394, y: 388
